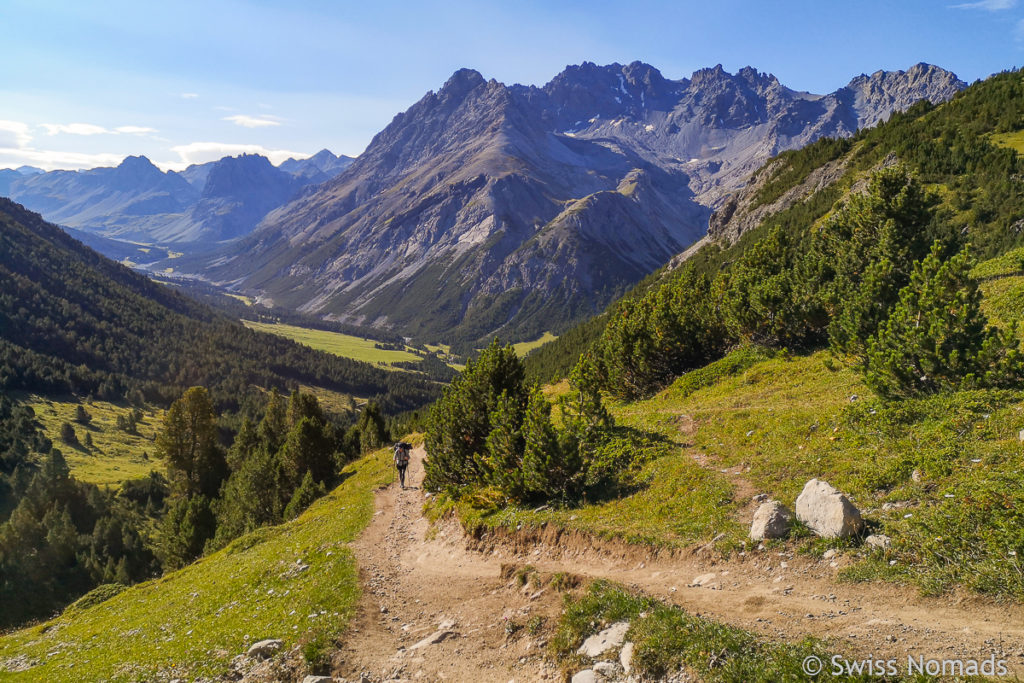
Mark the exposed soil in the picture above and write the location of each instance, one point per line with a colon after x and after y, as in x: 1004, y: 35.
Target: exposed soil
x: 421, y: 581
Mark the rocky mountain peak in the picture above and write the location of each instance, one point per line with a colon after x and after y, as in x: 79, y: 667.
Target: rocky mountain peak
x: 461, y: 83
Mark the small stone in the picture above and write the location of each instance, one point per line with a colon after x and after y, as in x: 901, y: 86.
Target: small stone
x: 829, y: 554
x: 761, y: 498
x: 264, y: 649
x: 770, y: 521
x: 1020, y: 435
x: 916, y: 475
x: 317, y: 679
x: 626, y: 657
x: 750, y: 433
x: 606, y: 669
x: 702, y: 580
x: 585, y: 676
x: 432, y: 639
x: 610, y: 638
x: 880, y: 541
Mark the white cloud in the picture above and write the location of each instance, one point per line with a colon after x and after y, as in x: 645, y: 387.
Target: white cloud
x: 988, y: 5
x: 189, y: 95
x: 202, y: 152
x: 50, y: 159
x: 14, y: 134
x: 261, y: 121
x: 134, y: 130
x: 74, y: 129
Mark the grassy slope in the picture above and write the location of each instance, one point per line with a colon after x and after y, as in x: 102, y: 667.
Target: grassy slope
x: 771, y: 423
x: 192, y: 622
x: 523, y: 348
x: 115, y: 455
x: 344, y: 345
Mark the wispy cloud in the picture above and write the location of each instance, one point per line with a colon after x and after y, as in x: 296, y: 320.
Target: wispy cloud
x: 135, y: 130
x: 92, y: 129
x: 261, y: 121
x: 53, y: 159
x: 74, y: 129
x: 14, y: 134
x: 987, y: 5
x: 202, y: 152
x: 189, y: 95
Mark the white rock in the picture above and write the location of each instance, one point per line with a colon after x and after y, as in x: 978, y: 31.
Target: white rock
x: 611, y: 637
x: 880, y: 541
x: 606, y: 669
x: 585, y: 676
x: 770, y: 521
x: 264, y: 649
x: 432, y: 639
x: 829, y: 554
x: 626, y: 657
x: 702, y: 580
x: 826, y: 511
x: 317, y: 679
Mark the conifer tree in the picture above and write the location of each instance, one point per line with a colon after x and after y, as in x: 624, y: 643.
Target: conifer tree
x: 460, y: 421
x: 505, y: 447
x: 937, y: 337
x: 552, y: 470
x: 308, y: 491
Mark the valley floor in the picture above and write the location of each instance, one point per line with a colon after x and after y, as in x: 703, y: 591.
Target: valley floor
x: 439, y: 605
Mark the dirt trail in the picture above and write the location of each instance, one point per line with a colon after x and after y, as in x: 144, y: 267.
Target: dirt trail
x: 422, y: 582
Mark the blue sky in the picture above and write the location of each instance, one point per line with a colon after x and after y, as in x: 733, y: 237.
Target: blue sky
x: 86, y: 83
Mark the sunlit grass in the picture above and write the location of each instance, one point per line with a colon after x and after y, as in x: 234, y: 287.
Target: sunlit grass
x: 296, y: 581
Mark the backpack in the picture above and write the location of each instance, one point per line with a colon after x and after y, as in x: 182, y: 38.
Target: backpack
x: 402, y: 454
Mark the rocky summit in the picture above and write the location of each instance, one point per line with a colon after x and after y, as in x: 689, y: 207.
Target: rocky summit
x: 490, y: 209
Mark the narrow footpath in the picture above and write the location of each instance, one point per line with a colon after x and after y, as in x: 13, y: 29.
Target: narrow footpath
x: 435, y: 606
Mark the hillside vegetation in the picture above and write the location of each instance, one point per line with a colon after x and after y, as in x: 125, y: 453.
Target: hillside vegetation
x: 296, y: 581
x: 73, y: 322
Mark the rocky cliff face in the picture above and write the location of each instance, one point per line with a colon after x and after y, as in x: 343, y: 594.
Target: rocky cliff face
x: 490, y: 209
x: 206, y: 203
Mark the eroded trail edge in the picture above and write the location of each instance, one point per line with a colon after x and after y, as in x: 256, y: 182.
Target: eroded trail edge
x: 435, y: 605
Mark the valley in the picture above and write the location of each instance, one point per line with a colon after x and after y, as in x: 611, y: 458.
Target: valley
x: 707, y: 378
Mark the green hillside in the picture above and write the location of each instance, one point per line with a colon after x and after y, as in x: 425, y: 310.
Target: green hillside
x: 297, y: 582
x: 74, y: 322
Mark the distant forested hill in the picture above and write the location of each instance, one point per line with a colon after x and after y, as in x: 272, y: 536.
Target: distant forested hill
x: 72, y: 321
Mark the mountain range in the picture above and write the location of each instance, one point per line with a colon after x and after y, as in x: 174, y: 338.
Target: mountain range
x: 487, y: 209
x: 136, y: 201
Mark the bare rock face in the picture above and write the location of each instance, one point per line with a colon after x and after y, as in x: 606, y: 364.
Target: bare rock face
x: 487, y: 209
x: 827, y: 511
x: 770, y: 521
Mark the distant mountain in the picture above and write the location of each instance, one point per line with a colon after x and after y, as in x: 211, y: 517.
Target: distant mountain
x: 318, y: 168
x: 490, y: 209
x: 29, y: 170
x: 206, y: 203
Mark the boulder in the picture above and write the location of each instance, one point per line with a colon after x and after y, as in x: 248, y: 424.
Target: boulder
x: 264, y: 649
x: 826, y: 511
x: 770, y: 521
x: 585, y: 676
x: 880, y: 541
x: 611, y: 637
x: 317, y: 679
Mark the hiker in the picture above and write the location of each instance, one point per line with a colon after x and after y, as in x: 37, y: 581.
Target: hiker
x: 402, y: 459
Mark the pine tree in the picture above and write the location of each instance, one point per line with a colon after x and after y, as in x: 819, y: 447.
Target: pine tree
x: 937, y: 338
x: 505, y: 447
x: 552, y: 470
x: 304, y: 496
x: 460, y: 422
x: 82, y: 417
x: 188, y: 442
